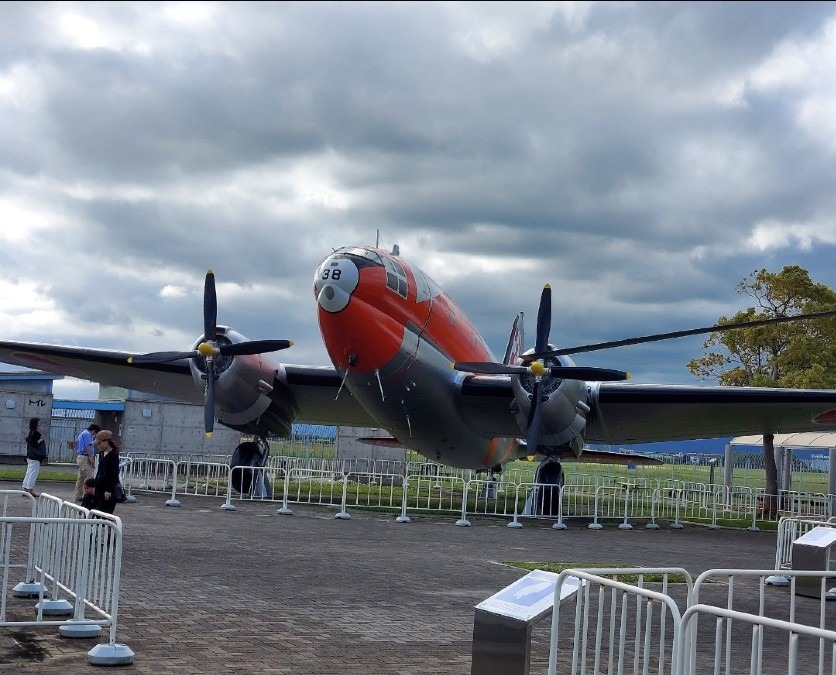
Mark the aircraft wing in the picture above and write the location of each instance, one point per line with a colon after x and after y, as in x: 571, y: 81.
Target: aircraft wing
x: 314, y: 388
x: 647, y: 413
x: 172, y: 380
x: 623, y: 413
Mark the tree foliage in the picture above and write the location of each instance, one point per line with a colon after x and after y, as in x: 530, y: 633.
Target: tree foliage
x: 801, y: 354
x: 796, y: 355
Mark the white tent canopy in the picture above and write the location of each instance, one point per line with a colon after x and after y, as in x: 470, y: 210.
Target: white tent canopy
x: 809, y: 439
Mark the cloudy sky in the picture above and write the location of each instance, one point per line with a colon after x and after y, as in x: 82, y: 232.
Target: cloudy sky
x: 642, y: 158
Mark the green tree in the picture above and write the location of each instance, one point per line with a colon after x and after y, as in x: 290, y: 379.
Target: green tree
x: 801, y: 354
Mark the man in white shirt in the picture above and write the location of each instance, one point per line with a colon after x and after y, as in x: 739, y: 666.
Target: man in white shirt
x: 85, y: 458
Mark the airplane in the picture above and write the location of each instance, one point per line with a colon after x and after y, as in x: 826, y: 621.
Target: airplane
x: 407, y: 359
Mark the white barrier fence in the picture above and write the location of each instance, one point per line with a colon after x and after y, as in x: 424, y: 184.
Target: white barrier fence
x: 790, y: 529
x: 70, y: 560
x: 431, y: 488
x: 618, y: 627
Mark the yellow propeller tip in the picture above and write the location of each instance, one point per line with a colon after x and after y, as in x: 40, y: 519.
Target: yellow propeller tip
x: 130, y: 359
x: 548, y: 286
x: 530, y: 458
x: 290, y: 343
x: 208, y: 434
x: 628, y: 376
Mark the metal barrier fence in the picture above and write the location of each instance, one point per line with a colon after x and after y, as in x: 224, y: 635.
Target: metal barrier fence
x: 752, y: 587
x: 435, y: 488
x: 634, y: 629
x: 618, y: 627
x: 790, y: 529
x: 78, y: 553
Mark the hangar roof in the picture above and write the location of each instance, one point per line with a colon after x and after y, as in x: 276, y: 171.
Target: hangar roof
x: 810, y: 439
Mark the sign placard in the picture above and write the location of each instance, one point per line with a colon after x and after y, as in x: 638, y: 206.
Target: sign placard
x: 819, y: 536
x: 530, y: 597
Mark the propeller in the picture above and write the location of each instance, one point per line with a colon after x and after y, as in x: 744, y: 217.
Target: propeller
x: 544, y: 322
x: 210, y: 350
x: 720, y: 328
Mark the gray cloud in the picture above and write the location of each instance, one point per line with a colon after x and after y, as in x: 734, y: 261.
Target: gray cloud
x: 624, y: 153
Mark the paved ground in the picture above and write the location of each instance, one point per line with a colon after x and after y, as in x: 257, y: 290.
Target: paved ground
x: 210, y: 591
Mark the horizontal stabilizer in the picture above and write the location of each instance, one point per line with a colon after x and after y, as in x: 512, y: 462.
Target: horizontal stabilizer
x: 609, y: 457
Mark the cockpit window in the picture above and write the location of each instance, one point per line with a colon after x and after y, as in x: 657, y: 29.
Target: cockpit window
x: 395, y: 277
x: 360, y: 256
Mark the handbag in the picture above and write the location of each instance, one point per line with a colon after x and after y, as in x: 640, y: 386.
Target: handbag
x: 119, y: 495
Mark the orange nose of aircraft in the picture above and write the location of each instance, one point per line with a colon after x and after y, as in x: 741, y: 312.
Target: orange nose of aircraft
x: 358, y: 327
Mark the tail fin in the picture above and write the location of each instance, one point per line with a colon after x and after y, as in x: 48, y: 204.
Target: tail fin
x: 515, y: 342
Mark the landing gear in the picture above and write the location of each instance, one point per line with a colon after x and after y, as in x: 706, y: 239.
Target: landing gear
x: 544, y: 500
x: 246, y: 481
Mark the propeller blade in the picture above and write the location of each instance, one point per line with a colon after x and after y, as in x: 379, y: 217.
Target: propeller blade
x: 544, y: 319
x: 561, y: 372
x: 209, y: 399
x: 161, y: 357
x: 254, y: 347
x: 210, y: 307
x: 677, y: 334
x: 588, y: 373
x: 532, y: 433
x: 488, y: 368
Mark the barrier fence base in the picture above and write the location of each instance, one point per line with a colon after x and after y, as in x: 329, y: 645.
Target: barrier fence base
x: 78, y: 628
x: 172, y: 502
x: 29, y: 589
x: 111, y: 655
x: 54, y: 607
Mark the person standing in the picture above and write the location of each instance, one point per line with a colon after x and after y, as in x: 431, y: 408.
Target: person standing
x: 88, y: 501
x: 107, y: 475
x: 85, y: 458
x: 35, y: 454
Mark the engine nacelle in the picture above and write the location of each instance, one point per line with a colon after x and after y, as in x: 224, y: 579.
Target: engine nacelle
x: 564, y: 408
x: 251, y: 393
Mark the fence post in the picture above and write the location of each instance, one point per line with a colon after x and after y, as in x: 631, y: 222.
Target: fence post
x: 653, y: 525
x: 595, y: 525
x: 285, y: 510
x: 625, y: 525
x: 343, y: 514
x: 228, y: 505
x: 173, y: 501
x: 463, y: 521
x: 403, y: 518
x: 676, y: 525
x: 515, y: 523
x: 560, y: 525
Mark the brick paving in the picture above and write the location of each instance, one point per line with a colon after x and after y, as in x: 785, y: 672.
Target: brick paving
x: 250, y: 591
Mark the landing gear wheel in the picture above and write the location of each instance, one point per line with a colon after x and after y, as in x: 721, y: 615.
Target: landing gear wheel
x: 247, y: 481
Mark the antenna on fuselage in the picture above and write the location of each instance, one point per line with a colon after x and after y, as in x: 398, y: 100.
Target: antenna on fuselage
x: 396, y: 250
x: 377, y: 239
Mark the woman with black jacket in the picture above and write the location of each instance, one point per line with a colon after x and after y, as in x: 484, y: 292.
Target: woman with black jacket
x: 107, y: 475
x: 35, y: 454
